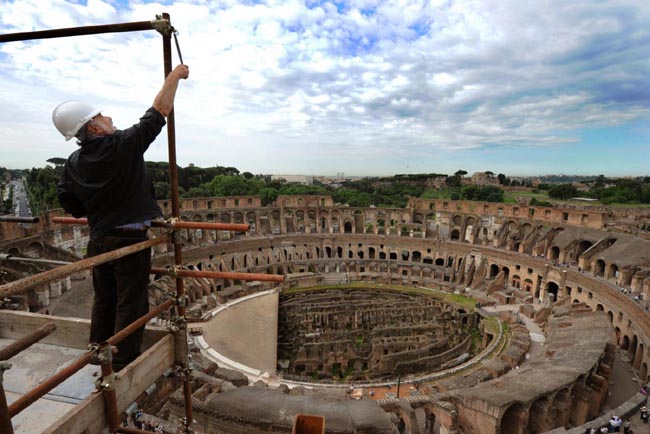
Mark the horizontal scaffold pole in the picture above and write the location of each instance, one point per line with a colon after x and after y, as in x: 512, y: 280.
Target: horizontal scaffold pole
x: 14, y: 219
x: 220, y: 275
x: 178, y: 224
x: 16, y: 347
x: 78, y: 31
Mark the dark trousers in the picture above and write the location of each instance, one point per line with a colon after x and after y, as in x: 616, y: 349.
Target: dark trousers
x: 121, y: 293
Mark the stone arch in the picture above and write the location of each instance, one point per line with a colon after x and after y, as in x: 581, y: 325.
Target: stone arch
x: 197, y: 218
x: 225, y: 218
x: 347, y: 227
x: 494, y: 270
x: 418, y: 218
x: 538, y: 421
x: 552, y: 288
x: 323, y: 219
x: 416, y: 256
x: 381, y: 226
x: 528, y: 285
x: 429, y: 421
x: 638, y: 359
x: 402, y: 418
x: 643, y: 372
x: 457, y: 220
x: 562, y: 407
x: 516, y: 281
x: 611, y: 272
x: 34, y: 250
x: 440, y: 262
x: 625, y: 342
x: 238, y: 217
x: 335, y: 224
x: 455, y: 235
x: 599, y: 268
x: 514, y: 417
x: 583, y: 246
x: 554, y: 254
x: 631, y: 350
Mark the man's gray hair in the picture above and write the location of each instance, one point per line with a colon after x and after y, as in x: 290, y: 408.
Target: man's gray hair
x: 82, y: 134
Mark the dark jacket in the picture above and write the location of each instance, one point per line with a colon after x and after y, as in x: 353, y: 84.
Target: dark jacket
x: 106, y: 178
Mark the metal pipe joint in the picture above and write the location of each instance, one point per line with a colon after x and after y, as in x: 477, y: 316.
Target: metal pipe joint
x: 162, y: 26
x: 100, y: 353
x: 106, y: 382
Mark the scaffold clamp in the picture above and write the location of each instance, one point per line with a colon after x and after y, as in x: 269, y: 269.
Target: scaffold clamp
x: 100, y: 354
x: 162, y: 26
x: 183, y: 300
x: 170, y: 224
x: 183, y: 370
x: 105, y: 383
x: 188, y: 426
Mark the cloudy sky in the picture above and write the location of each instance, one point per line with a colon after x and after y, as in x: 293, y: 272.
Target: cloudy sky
x: 360, y: 87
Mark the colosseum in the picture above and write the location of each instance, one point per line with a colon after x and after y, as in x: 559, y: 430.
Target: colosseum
x: 442, y: 317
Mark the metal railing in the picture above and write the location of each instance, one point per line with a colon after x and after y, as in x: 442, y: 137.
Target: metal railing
x: 101, y: 353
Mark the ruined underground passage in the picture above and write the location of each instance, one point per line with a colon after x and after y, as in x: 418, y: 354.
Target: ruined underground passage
x: 442, y: 317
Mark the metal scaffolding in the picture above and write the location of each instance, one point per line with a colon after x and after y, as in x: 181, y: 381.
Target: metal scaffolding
x: 101, y: 354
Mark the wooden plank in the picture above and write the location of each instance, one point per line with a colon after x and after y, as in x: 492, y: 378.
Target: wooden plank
x: 90, y: 415
x: 134, y: 379
x: 70, y: 332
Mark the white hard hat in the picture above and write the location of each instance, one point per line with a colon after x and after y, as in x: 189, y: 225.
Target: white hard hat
x: 70, y: 116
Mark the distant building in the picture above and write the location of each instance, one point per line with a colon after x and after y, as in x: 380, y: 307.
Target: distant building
x: 482, y: 178
x: 580, y: 186
x: 300, y: 179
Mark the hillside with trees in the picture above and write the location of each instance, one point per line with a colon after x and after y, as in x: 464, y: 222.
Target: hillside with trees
x: 391, y: 192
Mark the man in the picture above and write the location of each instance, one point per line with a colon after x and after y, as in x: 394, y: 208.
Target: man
x: 107, y: 181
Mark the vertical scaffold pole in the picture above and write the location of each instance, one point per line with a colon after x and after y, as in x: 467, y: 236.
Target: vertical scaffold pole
x: 5, y: 418
x: 182, y: 361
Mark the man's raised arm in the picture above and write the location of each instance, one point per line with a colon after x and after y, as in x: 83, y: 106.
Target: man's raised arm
x: 164, y: 101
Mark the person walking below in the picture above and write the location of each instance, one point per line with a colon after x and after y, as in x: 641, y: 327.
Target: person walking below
x: 106, y: 180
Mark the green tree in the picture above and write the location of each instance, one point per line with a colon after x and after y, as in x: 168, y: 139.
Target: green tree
x: 268, y: 195
x: 56, y: 161
x: 161, y: 190
x: 562, y: 191
x: 234, y: 185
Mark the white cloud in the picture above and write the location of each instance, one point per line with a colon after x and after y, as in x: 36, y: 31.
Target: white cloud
x: 335, y: 85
